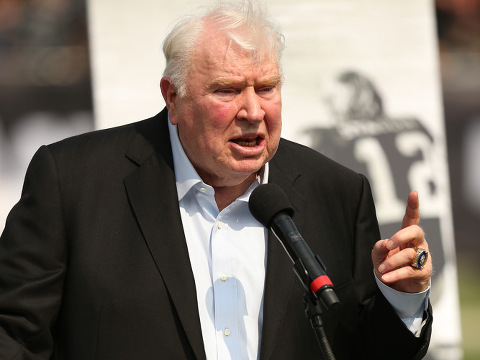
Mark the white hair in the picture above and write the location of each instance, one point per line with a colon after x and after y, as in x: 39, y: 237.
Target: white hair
x: 245, y: 22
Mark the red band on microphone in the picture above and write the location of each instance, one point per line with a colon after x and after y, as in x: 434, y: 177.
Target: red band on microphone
x: 320, y: 282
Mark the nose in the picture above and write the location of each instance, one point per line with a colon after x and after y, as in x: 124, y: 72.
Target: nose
x: 250, y: 107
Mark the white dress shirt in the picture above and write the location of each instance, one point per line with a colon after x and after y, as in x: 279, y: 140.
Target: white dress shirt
x: 227, y: 253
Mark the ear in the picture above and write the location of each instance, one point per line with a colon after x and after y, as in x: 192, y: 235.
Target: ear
x: 169, y: 93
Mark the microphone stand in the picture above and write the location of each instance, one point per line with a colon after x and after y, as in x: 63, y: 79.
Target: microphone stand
x: 313, y: 311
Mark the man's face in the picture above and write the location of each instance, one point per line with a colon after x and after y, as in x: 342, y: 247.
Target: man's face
x: 229, y: 121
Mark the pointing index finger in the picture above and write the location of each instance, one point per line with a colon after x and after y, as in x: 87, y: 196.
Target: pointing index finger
x: 412, y: 212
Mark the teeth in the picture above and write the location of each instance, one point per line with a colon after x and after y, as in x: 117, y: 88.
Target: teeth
x: 248, y: 143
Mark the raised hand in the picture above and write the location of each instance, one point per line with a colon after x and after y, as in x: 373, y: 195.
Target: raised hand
x: 398, y: 260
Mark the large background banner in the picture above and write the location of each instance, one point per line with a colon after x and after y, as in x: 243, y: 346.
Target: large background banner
x: 362, y: 86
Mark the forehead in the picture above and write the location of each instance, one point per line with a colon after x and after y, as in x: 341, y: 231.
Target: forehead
x: 216, y: 52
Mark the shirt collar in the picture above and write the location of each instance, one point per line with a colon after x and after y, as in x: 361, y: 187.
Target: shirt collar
x: 187, y: 177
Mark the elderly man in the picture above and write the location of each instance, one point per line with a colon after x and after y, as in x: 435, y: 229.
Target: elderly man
x: 137, y: 242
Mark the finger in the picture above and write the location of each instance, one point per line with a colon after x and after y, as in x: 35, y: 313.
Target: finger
x: 410, y: 236
x: 416, y: 280
x: 412, y: 212
x: 379, y: 254
x: 379, y: 249
x: 407, y: 279
x: 399, y: 259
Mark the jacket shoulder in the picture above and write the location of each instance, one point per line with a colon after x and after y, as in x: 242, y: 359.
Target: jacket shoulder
x: 110, y: 136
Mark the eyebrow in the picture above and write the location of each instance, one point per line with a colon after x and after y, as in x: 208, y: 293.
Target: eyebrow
x: 225, y: 81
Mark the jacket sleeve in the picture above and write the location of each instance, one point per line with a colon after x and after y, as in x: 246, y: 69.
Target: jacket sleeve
x: 32, y: 265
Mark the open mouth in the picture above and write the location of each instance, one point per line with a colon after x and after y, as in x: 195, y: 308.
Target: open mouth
x: 248, y: 142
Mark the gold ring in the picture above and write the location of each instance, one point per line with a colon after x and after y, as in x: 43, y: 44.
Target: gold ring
x: 420, y: 259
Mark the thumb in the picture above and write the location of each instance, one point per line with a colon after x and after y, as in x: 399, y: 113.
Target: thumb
x: 412, y: 212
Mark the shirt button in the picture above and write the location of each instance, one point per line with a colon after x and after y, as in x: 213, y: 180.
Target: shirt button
x: 223, y: 277
x: 202, y: 189
x: 219, y: 225
x: 226, y: 332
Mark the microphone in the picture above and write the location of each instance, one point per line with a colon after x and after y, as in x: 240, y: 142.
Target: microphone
x: 271, y: 207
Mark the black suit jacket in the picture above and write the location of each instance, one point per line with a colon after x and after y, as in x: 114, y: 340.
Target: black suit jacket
x: 94, y: 263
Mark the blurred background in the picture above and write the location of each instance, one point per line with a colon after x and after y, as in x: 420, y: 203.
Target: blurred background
x: 458, y: 24
x: 45, y: 95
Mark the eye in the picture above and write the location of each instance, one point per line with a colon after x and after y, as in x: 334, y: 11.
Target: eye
x: 225, y: 91
x: 225, y: 94
x: 265, y: 89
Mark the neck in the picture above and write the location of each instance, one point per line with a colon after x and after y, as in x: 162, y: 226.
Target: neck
x: 225, y: 195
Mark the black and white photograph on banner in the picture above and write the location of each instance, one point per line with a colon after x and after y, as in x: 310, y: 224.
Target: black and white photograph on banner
x: 386, y: 89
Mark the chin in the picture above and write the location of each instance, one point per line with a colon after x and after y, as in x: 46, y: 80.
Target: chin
x: 248, y: 170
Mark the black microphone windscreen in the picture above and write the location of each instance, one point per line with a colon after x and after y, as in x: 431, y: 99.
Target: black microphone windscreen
x: 266, y: 201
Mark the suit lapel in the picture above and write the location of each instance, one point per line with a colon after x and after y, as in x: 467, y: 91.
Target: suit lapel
x: 153, y: 196
x: 280, y: 277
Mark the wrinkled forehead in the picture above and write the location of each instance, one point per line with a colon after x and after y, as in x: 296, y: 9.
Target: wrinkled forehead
x: 227, y: 58
x: 215, y: 39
